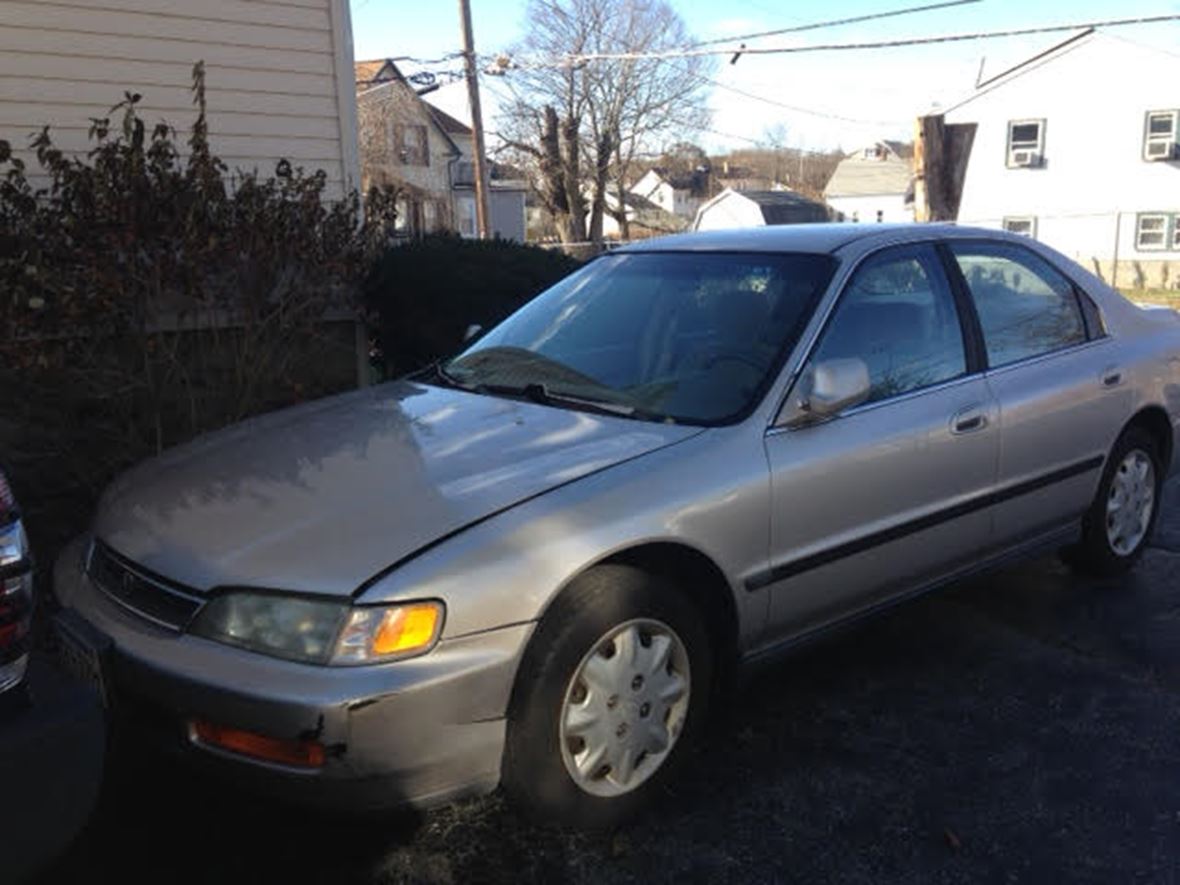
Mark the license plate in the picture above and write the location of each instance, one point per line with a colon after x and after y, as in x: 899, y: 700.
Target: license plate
x: 80, y: 654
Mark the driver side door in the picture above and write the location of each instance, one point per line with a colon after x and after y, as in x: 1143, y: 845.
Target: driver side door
x: 889, y: 493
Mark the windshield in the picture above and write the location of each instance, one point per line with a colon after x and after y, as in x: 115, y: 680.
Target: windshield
x: 682, y: 336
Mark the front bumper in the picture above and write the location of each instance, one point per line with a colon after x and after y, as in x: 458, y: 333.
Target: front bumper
x: 412, y: 732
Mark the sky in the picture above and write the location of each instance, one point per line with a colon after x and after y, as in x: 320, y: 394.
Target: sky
x: 847, y: 99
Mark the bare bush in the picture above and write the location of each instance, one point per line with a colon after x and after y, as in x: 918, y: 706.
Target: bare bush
x: 150, y: 295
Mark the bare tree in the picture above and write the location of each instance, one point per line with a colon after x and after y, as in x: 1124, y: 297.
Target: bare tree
x: 583, y: 123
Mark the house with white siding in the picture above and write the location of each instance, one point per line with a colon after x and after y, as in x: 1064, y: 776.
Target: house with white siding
x: 873, y: 184
x: 1078, y: 146
x: 279, y: 76
x: 756, y: 208
x: 428, y: 157
x: 680, y: 195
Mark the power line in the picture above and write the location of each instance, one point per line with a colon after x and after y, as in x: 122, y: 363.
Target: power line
x: 795, y: 29
x: 577, y: 60
x: 790, y: 107
x: 759, y: 143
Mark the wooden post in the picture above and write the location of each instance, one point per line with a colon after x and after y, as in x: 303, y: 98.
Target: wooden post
x: 482, y: 220
x: 921, y: 197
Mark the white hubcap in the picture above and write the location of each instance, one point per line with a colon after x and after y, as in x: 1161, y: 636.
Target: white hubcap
x: 625, y: 707
x: 1131, y: 503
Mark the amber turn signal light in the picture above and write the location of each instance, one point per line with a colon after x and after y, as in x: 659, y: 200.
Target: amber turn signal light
x: 407, y: 628
x: 297, y: 753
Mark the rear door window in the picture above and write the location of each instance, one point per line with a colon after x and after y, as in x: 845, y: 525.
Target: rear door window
x: 1026, y: 306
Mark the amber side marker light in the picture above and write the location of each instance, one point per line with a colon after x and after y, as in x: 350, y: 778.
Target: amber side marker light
x: 299, y: 754
x: 408, y: 628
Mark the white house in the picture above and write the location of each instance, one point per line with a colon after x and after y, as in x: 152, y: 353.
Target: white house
x: 731, y: 208
x: 428, y: 156
x: 682, y: 196
x: 873, y: 184
x: 506, y: 192
x: 645, y: 218
x: 279, y: 75
x: 1077, y: 147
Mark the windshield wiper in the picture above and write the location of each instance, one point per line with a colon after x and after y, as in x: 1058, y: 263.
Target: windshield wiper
x: 539, y: 393
x: 436, y: 371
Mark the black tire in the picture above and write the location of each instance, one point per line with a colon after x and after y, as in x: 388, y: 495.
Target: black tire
x: 1094, y: 555
x: 535, y: 775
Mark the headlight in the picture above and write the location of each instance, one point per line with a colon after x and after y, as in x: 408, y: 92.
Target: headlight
x: 318, y: 631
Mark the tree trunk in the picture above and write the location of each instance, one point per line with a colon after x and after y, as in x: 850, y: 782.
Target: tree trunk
x: 575, y: 222
x: 552, y: 180
x: 601, y: 175
x: 620, y: 211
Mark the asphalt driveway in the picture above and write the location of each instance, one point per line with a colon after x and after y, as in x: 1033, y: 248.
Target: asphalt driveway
x: 1022, y: 727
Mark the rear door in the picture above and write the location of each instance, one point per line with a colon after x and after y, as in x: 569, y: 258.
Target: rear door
x: 889, y: 493
x: 1061, y: 391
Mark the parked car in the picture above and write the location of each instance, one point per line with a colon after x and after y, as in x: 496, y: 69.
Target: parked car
x: 52, y: 730
x: 537, y: 562
x: 16, y: 592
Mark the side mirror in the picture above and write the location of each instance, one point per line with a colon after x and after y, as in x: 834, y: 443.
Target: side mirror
x: 826, y: 389
x: 473, y: 332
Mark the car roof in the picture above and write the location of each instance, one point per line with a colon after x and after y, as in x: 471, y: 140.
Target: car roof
x: 821, y: 238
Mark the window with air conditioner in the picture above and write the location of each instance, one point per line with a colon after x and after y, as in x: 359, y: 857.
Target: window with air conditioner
x: 1026, y: 143
x: 1025, y: 225
x: 1161, y: 136
x: 1151, y: 232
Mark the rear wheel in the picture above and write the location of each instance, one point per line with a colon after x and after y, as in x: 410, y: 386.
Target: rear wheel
x: 1119, y: 523
x: 609, y: 699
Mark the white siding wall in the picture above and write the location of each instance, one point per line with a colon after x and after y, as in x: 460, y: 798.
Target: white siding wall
x: 729, y: 210
x: 278, y: 74
x: 1093, y: 98
x: 892, y: 207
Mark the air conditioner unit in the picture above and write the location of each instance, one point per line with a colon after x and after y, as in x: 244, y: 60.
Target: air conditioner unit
x: 1025, y: 158
x: 1161, y: 149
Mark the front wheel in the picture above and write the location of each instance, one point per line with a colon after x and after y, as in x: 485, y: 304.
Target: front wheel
x: 610, y: 696
x: 1119, y: 523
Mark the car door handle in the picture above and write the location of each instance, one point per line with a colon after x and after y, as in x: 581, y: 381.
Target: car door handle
x: 1112, y: 376
x: 969, y: 420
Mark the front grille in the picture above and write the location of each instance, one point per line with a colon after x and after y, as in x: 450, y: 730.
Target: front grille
x: 138, y: 590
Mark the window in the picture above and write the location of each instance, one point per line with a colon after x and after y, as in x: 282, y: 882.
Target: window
x: 1025, y: 225
x: 898, y: 315
x: 411, y: 145
x: 1151, y: 232
x: 404, y: 216
x: 1161, y: 134
x: 1026, y: 307
x: 465, y: 210
x: 1157, y: 231
x: 429, y: 216
x: 880, y: 215
x: 697, y: 337
x: 1026, y: 143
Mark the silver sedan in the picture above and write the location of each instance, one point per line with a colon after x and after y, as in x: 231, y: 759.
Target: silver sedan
x: 537, y: 563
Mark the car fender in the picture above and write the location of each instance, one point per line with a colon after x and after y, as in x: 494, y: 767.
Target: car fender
x: 709, y: 493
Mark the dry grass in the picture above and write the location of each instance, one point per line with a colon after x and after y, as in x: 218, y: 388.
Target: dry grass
x: 1169, y: 297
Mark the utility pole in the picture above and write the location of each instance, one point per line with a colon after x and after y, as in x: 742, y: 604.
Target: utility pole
x: 482, y: 220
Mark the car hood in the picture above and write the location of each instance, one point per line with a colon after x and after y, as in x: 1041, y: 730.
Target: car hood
x: 322, y: 497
